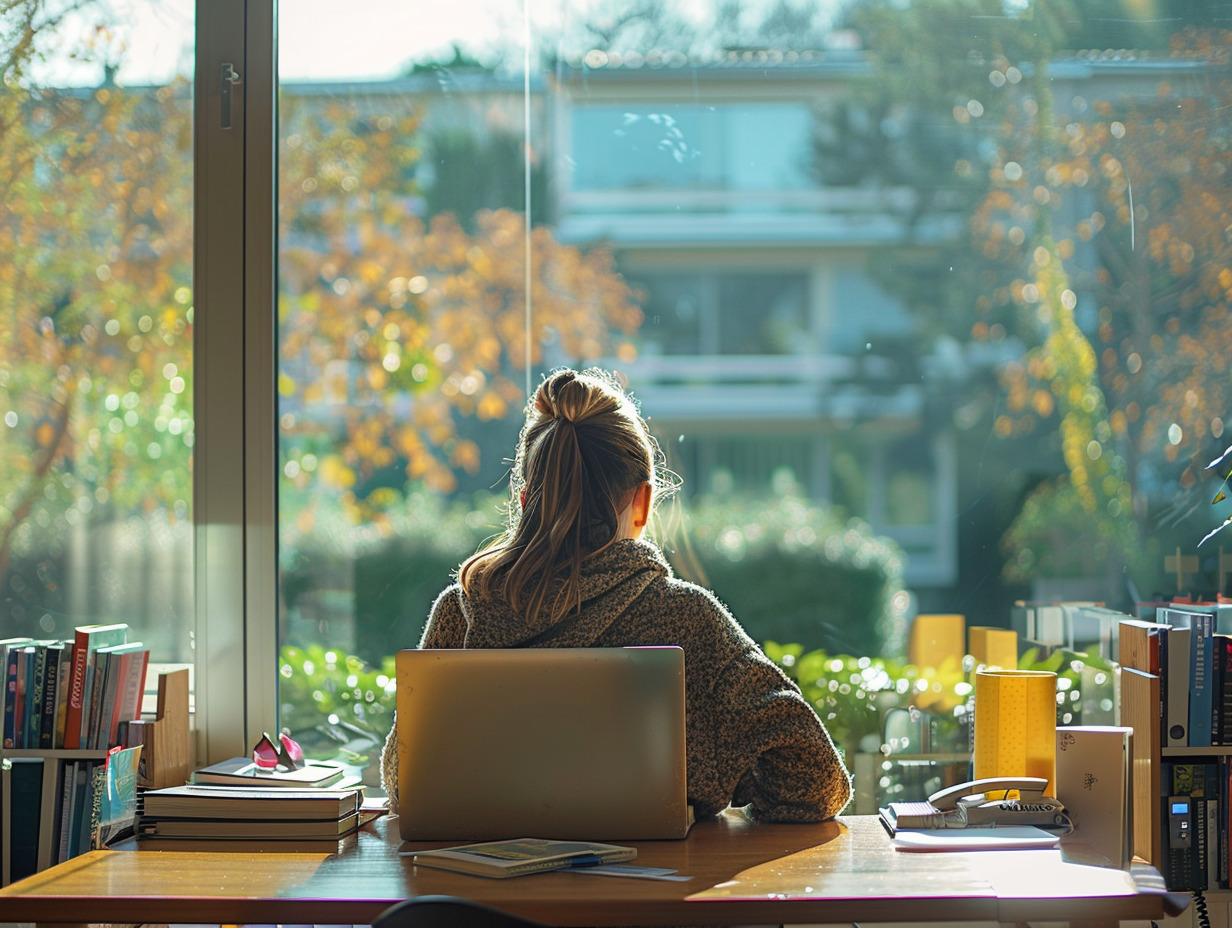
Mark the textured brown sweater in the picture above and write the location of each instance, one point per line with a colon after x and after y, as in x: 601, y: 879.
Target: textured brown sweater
x: 751, y: 739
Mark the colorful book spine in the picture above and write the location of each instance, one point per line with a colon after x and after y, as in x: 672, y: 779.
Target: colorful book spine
x: 1201, y: 685
x: 36, y: 663
x: 63, y: 685
x: 132, y: 670
x: 1177, y: 730
x: 11, y: 697
x: 51, y: 682
x: 86, y: 639
x: 1221, y: 720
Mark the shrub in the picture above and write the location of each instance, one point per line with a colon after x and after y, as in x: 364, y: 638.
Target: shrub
x: 792, y: 570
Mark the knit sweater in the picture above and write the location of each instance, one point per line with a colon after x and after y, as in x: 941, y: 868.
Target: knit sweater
x: 751, y: 739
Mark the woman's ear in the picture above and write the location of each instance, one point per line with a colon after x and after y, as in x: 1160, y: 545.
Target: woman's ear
x: 641, y: 505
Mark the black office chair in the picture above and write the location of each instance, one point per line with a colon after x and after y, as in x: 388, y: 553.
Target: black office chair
x: 447, y: 912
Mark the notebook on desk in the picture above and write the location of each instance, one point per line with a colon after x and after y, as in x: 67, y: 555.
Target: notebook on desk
x: 576, y: 743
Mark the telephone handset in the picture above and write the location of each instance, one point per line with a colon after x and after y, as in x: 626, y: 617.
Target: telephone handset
x: 950, y: 797
x: 982, y: 803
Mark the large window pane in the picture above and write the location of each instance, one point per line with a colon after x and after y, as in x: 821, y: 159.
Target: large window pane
x: 96, y: 317
x: 903, y: 288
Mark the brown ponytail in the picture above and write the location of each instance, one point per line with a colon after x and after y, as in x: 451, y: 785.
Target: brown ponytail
x: 583, y: 451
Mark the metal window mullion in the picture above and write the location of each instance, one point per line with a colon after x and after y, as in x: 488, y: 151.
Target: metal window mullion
x: 260, y: 364
x: 233, y: 403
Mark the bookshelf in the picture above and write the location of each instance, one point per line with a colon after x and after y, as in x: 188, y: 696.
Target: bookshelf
x: 1142, y: 708
x: 168, y: 761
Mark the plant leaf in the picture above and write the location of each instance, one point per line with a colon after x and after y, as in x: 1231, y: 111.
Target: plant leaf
x: 1219, y: 460
x: 1215, y: 531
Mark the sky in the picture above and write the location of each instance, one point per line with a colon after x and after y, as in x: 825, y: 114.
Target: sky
x: 332, y: 39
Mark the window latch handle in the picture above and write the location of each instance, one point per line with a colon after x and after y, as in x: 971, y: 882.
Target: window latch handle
x: 230, y: 77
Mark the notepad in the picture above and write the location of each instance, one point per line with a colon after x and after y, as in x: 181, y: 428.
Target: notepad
x: 1014, y: 837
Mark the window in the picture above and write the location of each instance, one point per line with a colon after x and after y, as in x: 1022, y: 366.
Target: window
x: 963, y: 295
x: 680, y: 146
x: 721, y: 313
x: 96, y: 338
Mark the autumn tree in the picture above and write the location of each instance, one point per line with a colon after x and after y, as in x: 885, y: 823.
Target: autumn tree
x: 1150, y: 264
x: 95, y: 299
x: 1057, y: 236
x: 395, y: 326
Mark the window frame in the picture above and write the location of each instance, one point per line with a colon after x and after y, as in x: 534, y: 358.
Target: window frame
x: 235, y: 455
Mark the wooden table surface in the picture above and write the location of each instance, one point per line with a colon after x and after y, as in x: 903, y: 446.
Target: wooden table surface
x: 741, y: 873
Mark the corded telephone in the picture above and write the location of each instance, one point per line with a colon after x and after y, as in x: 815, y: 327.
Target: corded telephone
x: 982, y: 803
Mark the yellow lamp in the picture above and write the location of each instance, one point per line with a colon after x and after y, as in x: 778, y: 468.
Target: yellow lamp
x: 1016, y: 725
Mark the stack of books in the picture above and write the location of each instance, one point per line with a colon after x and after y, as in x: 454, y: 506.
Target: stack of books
x: 209, y: 817
x: 237, y: 805
x: 71, y: 694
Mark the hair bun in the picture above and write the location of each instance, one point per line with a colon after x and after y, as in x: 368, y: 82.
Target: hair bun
x: 551, y: 399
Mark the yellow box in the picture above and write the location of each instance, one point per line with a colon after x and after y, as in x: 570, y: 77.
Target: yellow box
x: 935, y: 637
x: 993, y: 647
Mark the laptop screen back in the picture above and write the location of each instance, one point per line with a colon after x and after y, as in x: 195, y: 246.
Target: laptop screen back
x: 575, y: 743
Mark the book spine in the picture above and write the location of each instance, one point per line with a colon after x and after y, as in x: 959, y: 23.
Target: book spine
x: 77, y: 682
x: 119, y: 667
x: 83, y: 800
x: 1177, y: 731
x: 1163, y: 684
x: 47, y: 709
x: 10, y: 698
x: 65, y: 816
x: 62, y: 693
x: 1212, y: 836
x: 98, y: 784
x: 94, y: 733
x: 1200, y: 666
x: 36, y: 668
x: 131, y: 683
x: 1198, y: 858
x: 1223, y: 823
x: 87, y: 700
x: 1217, y: 681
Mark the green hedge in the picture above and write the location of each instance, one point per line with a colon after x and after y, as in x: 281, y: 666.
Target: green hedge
x: 791, y: 570
x: 788, y: 569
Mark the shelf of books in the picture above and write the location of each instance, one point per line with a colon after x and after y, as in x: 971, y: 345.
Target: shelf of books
x: 65, y: 704
x: 1176, y: 694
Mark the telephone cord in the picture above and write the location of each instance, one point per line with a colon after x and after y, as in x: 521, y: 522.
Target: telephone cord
x: 1204, y: 917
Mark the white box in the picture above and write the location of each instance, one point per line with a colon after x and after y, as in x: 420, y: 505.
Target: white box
x: 1093, y: 781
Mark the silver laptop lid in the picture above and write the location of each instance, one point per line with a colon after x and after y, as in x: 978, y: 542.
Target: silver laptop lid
x: 578, y: 743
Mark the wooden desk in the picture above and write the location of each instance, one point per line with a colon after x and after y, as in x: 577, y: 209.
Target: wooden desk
x: 742, y: 873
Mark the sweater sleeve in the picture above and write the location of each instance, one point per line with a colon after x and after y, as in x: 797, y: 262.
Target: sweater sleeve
x: 778, y: 756
x: 446, y: 628
x: 760, y: 744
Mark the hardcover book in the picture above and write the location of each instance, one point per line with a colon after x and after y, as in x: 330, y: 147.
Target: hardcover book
x: 315, y: 829
x: 250, y: 802
x: 87, y: 639
x: 1201, y: 683
x: 10, y: 654
x: 241, y: 771
x: 520, y: 856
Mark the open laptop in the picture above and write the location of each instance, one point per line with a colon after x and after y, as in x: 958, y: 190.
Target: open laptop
x: 573, y: 743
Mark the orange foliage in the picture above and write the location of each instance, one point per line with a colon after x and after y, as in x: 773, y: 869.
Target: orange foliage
x: 426, y: 320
